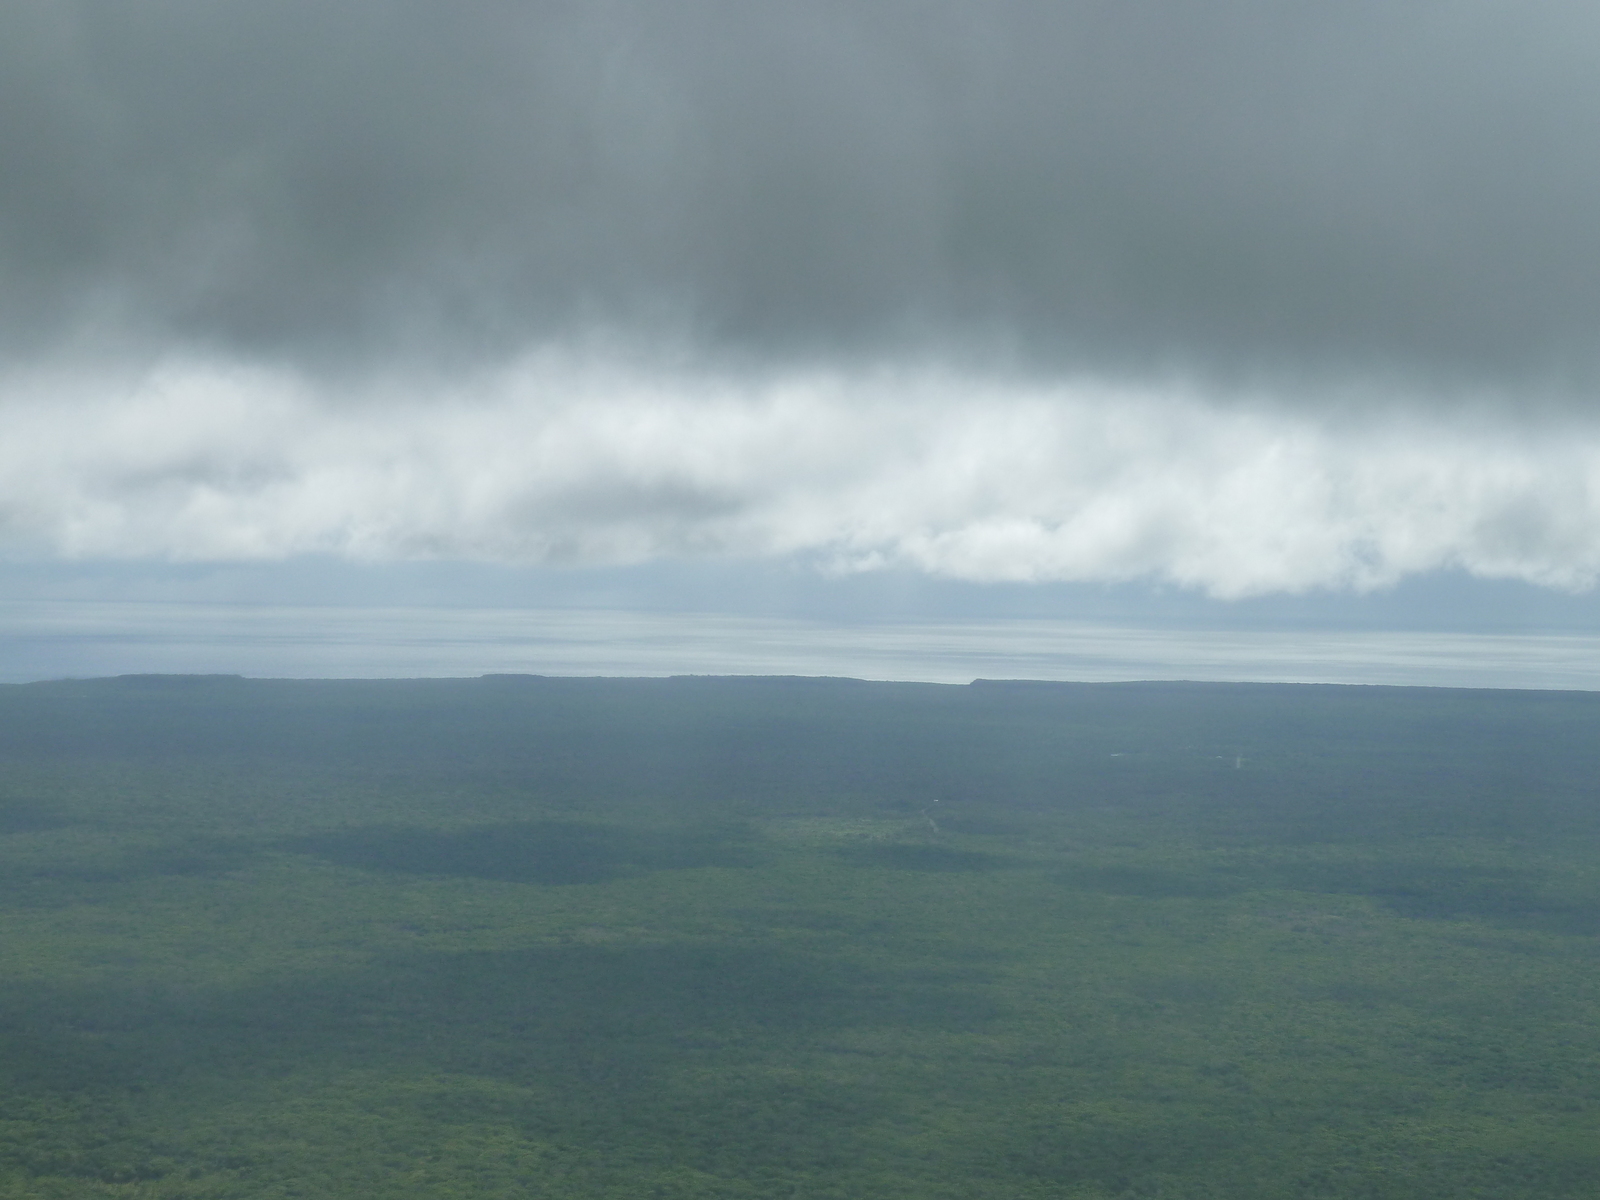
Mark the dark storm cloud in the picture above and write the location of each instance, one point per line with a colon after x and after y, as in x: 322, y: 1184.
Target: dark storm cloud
x: 1236, y: 184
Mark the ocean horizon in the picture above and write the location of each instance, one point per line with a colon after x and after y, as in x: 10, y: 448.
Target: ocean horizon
x: 45, y: 639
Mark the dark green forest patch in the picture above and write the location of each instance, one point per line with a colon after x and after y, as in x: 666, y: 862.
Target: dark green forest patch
x: 980, y: 824
x: 1430, y: 890
x: 817, y: 921
x: 1154, y: 882
x: 81, y: 866
x: 545, y: 852
x: 29, y: 816
x: 920, y: 856
x: 681, y: 1057
x: 590, y: 1028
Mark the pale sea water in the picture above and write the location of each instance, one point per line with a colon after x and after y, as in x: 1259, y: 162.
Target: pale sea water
x: 77, y: 639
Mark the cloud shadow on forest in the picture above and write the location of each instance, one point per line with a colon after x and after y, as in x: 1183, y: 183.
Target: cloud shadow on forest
x: 916, y: 856
x: 542, y: 852
x: 603, y: 1019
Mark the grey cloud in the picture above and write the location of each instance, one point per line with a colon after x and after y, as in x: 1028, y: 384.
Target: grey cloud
x: 1229, y: 186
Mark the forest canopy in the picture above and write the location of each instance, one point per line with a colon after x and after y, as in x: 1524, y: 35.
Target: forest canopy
x: 741, y: 938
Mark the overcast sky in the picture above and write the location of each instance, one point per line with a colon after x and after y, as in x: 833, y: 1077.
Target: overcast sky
x: 1239, y: 299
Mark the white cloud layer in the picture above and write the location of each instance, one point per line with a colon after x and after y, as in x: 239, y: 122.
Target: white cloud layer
x: 562, y: 460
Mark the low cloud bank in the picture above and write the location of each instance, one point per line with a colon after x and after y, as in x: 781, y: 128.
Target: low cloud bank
x: 559, y: 460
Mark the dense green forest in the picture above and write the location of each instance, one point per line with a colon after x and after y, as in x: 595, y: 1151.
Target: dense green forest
x: 751, y: 938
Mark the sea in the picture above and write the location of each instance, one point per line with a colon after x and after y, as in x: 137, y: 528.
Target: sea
x: 57, y: 639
